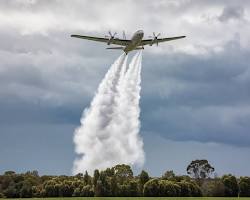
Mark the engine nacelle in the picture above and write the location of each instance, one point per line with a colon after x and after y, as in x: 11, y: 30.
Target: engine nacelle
x: 111, y: 37
x: 154, y: 38
x: 110, y: 41
x: 154, y: 41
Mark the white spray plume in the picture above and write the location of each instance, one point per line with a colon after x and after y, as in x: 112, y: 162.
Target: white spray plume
x: 128, y: 112
x: 109, y: 131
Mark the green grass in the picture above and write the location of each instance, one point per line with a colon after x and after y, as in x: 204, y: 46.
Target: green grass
x: 141, y: 198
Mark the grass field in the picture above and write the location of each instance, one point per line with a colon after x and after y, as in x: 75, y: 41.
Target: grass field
x: 143, y: 198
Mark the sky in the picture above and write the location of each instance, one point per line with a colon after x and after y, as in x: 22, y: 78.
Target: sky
x: 195, y: 98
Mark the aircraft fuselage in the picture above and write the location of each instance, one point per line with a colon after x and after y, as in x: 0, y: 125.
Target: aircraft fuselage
x: 127, y: 45
x: 135, y: 42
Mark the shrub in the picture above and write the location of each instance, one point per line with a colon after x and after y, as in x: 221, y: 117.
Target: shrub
x: 194, y: 189
x: 151, y: 188
x: 185, y: 190
x: 244, y: 185
x: 213, y: 188
x: 87, y: 191
x: 231, y: 185
x: 168, y: 189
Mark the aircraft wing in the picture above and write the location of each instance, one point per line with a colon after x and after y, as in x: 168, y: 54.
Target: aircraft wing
x: 105, y: 40
x: 149, y: 41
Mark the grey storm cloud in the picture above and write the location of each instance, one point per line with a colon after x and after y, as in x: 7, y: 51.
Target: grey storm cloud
x: 194, y: 89
x: 205, y: 100
x: 232, y: 12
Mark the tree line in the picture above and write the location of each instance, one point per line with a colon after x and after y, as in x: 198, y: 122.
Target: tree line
x: 119, y: 181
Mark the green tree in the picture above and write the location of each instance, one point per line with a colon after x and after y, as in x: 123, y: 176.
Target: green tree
x: 129, y: 189
x: 133, y: 187
x: 151, y: 188
x: 244, y: 185
x: 26, y: 190
x: 185, y: 190
x: 231, y: 185
x: 119, y: 181
x: 50, y: 189
x: 124, y: 190
x: 96, y: 176
x: 169, y: 175
x: 110, y: 172
x: 77, y: 192
x: 213, y: 188
x: 37, y: 191
x: 9, y: 173
x: 11, y: 191
x: 194, y: 189
x: 87, y: 178
x: 65, y: 189
x: 79, y: 175
x: 87, y: 191
x: 168, y: 189
x: 105, y: 184
x: 200, y: 169
x: 32, y: 173
x: 114, y: 188
x: 181, y: 178
x: 122, y: 173
x: 143, y: 178
x: 99, y: 189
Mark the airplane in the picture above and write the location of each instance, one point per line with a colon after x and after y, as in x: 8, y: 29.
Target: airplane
x: 135, y: 43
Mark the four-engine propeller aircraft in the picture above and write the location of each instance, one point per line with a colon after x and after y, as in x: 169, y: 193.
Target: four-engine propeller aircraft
x: 135, y: 43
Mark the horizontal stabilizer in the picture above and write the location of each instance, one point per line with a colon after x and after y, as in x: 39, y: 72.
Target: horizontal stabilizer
x: 114, y: 48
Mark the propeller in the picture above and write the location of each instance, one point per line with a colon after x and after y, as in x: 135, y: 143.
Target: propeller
x: 111, y: 37
x: 155, y: 38
x: 124, y: 35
